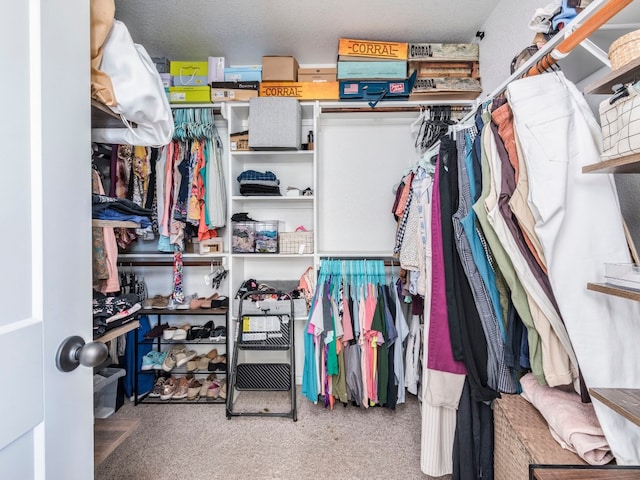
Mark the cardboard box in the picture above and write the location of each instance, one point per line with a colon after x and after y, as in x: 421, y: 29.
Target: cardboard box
x: 349, y: 47
x: 317, y: 74
x: 248, y: 73
x: 232, y: 94
x: 239, y: 141
x: 279, y: 69
x: 274, y: 123
x: 301, y: 90
x: 190, y: 94
x: 189, y: 81
x: 396, y: 69
x: 216, y: 69
x: 188, y: 69
x: 444, y: 52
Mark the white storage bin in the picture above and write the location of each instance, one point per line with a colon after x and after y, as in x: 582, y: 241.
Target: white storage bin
x: 105, y: 391
x: 274, y: 123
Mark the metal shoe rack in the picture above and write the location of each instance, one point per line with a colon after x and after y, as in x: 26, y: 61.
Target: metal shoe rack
x: 264, y: 324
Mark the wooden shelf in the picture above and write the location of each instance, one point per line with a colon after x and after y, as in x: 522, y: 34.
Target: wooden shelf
x: 103, y: 117
x: 625, y: 401
x: 166, y: 259
x: 626, y: 74
x: 628, y: 164
x: 114, y: 223
x: 627, y: 293
x: 582, y: 472
x: 109, y: 433
x: 116, y: 332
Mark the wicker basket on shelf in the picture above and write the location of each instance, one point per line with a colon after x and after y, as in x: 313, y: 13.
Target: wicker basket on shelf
x: 624, y: 50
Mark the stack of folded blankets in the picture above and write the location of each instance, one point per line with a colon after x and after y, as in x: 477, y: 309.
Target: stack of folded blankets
x: 254, y: 183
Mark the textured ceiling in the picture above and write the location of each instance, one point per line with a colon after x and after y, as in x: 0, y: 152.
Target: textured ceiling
x: 245, y: 30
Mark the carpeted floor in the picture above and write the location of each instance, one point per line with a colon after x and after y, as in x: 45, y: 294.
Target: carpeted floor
x: 197, y: 442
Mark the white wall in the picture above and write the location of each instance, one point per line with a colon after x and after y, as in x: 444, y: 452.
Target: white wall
x: 507, y: 33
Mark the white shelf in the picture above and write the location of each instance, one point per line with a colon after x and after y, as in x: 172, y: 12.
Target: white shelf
x: 273, y: 153
x: 273, y: 198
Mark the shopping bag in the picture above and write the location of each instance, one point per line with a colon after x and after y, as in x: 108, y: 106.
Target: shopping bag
x: 141, y: 99
x: 620, y: 123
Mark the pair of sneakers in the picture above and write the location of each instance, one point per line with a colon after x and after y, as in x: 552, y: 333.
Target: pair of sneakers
x: 153, y: 360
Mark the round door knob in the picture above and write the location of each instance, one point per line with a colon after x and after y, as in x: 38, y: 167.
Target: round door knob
x: 73, y: 351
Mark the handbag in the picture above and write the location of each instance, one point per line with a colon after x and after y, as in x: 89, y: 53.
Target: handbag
x: 620, y: 123
x: 141, y: 99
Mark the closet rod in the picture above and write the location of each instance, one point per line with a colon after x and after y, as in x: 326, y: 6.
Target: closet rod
x: 416, y: 108
x: 596, y: 16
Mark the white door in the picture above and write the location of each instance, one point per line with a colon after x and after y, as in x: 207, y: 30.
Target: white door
x: 46, y: 416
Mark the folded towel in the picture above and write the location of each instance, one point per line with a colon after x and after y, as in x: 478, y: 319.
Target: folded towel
x: 573, y: 424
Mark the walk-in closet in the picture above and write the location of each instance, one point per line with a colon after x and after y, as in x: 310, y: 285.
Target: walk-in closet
x: 351, y: 239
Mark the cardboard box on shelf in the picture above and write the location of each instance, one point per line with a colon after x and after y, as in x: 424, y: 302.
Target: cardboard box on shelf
x: 353, y: 49
x: 190, y: 94
x: 247, y: 73
x: 370, y: 70
x: 232, y: 94
x: 216, y: 69
x: 326, y: 74
x: 279, y: 69
x: 301, y: 90
x: 239, y: 141
x: 188, y: 68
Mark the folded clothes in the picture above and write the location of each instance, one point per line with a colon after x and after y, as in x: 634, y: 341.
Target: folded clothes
x: 256, y: 175
x: 272, y: 183
x: 249, y: 190
x: 123, y: 205
x: 109, y: 214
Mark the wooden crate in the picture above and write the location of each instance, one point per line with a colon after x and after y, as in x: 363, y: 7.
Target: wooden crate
x: 429, y: 69
x: 444, y: 52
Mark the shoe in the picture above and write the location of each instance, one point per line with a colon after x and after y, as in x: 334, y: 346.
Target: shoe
x: 168, y: 389
x: 168, y: 333
x: 183, y: 356
x: 206, y: 383
x: 200, y: 331
x: 223, y: 389
x: 213, y: 353
x: 214, y: 390
x: 186, y: 303
x: 220, y: 302
x: 159, y: 360
x: 182, y: 389
x: 147, y: 303
x: 181, y: 332
x: 192, y: 365
x: 156, y: 331
x: 219, y: 334
x: 202, y: 302
x: 158, y: 386
x: 149, y: 360
x: 193, y: 389
x: 218, y: 364
x: 159, y: 302
x: 203, y: 363
x: 170, y: 361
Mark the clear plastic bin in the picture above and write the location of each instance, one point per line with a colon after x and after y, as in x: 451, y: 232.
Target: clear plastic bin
x: 105, y: 391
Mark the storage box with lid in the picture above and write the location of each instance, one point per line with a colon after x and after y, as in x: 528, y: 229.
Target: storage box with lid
x: 301, y: 90
x: 274, y: 123
x: 246, y: 73
x: 190, y: 94
x: 189, y: 73
x: 320, y: 74
x: 279, y: 69
x: 105, y: 391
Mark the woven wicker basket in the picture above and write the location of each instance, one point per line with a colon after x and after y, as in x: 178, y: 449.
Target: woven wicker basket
x: 625, y: 49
